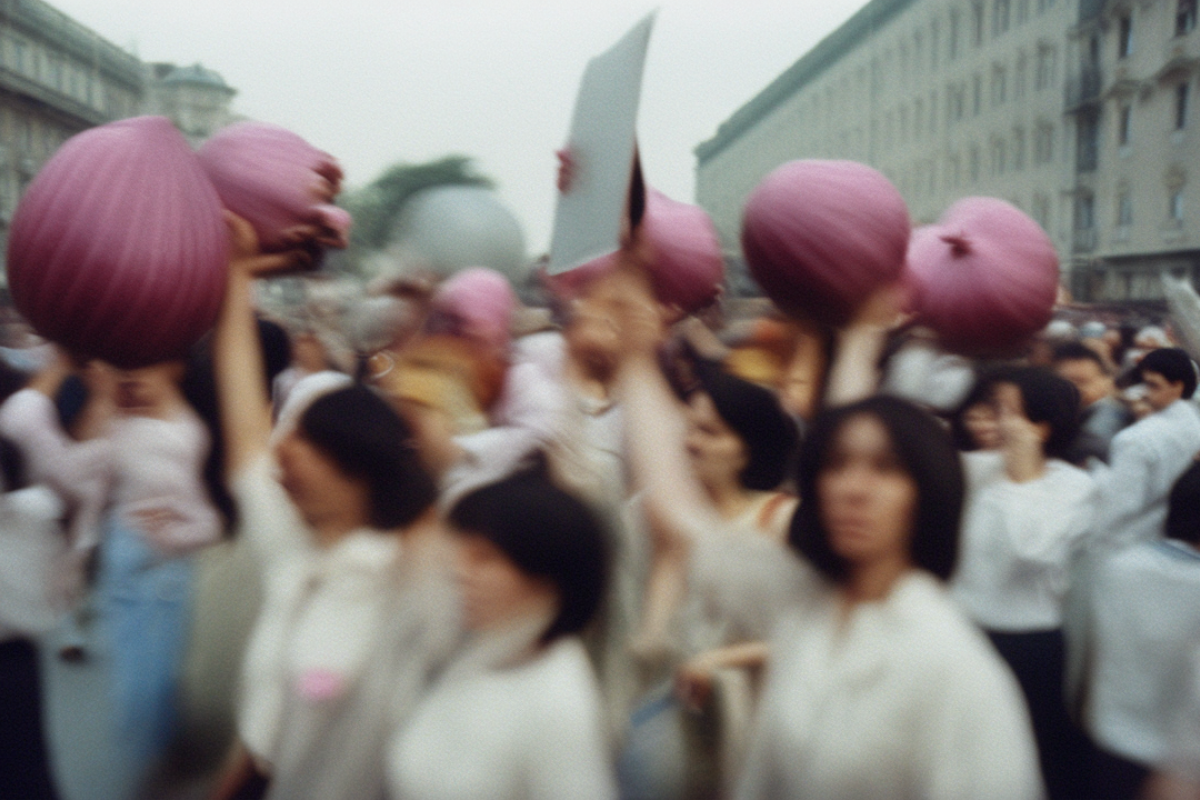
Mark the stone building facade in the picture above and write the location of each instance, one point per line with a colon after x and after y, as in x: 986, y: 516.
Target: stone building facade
x: 1019, y: 99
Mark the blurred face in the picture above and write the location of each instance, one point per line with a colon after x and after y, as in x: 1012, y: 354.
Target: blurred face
x: 718, y: 454
x: 317, y: 486
x: 1160, y: 392
x: 494, y: 590
x: 148, y: 388
x: 1088, y: 378
x: 982, y: 424
x: 868, y: 501
x: 592, y: 340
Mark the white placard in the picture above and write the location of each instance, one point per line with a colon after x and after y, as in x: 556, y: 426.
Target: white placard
x: 602, y: 142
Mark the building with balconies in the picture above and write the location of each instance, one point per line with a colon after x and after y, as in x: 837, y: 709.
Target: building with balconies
x: 1084, y: 113
x: 1137, y: 189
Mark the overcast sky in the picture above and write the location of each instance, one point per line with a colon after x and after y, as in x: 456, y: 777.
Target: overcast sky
x: 380, y: 81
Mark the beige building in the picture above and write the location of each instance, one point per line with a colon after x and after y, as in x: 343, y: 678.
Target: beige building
x: 1137, y: 192
x: 1019, y: 99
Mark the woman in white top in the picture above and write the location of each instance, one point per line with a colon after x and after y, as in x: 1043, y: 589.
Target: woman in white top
x: 1027, y: 511
x: 877, y: 685
x: 517, y: 715
x: 334, y: 510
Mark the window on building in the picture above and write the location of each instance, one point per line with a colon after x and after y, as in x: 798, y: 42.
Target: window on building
x: 933, y: 113
x: 999, y: 86
x: 977, y: 95
x: 1041, y: 211
x: 1000, y: 16
x: 977, y: 17
x: 1181, y: 105
x: 1022, y: 76
x: 19, y: 49
x: 1043, y: 144
x: 1022, y: 11
x: 1087, y: 152
x: 999, y: 157
x: 1124, y: 36
x: 955, y: 32
x: 934, y: 43
x: 1124, y: 125
x: 973, y: 164
x: 1124, y: 208
x: 1085, y: 212
x: 1045, y: 67
x: 1175, y: 204
x: 1185, y: 17
x: 1018, y: 149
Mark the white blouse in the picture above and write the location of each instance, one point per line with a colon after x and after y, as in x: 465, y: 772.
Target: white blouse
x: 322, y: 611
x: 902, y: 698
x: 530, y: 730
x: 1017, y: 542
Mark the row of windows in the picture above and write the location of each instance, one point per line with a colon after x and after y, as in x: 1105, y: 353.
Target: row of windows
x: 1085, y: 208
x: 1185, y: 23
x: 65, y: 75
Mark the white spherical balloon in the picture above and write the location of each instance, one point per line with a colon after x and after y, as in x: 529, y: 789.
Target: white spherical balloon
x: 447, y: 228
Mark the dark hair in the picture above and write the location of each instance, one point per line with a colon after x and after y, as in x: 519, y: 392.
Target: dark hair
x: 548, y: 534
x: 981, y: 392
x: 1075, y: 351
x: 923, y: 447
x: 368, y: 440
x: 1183, y: 507
x: 1173, y: 364
x: 756, y: 416
x: 1048, y: 398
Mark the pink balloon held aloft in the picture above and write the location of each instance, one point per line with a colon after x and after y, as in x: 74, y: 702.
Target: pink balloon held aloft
x: 277, y: 181
x: 477, y: 303
x: 686, y: 265
x: 820, y: 236
x: 118, y: 249
x: 985, y: 277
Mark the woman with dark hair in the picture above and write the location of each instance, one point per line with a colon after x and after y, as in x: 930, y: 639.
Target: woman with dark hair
x: 973, y: 424
x: 741, y: 443
x: 1026, y: 515
x: 517, y: 715
x: 877, y: 685
x: 338, y: 510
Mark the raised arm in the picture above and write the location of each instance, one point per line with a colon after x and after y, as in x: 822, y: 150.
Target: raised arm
x: 238, y: 364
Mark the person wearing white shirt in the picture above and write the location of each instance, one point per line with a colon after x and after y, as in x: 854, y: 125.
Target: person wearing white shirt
x: 1148, y: 457
x: 333, y: 508
x: 517, y: 715
x: 1026, y: 512
x: 1143, y: 625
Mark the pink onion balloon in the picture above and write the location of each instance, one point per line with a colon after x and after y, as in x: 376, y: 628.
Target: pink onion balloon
x: 985, y: 277
x: 118, y: 249
x: 687, y: 267
x: 481, y: 301
x: 819, y: 236
x: 277, y: 181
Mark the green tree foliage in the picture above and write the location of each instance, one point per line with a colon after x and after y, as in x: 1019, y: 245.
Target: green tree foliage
x: 376, y: 206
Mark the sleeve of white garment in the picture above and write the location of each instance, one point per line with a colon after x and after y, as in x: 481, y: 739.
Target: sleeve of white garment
x: 266, y: 516
x: 977, y: 741
x: 1042, y: 519
x: 1122, y: 490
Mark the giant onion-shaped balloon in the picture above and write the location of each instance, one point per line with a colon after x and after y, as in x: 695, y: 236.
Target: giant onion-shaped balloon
x: 118, y: 249
x: 985, y: 277
x: 278, y: 182
x: 820, y: 236
x: 686, y: 266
